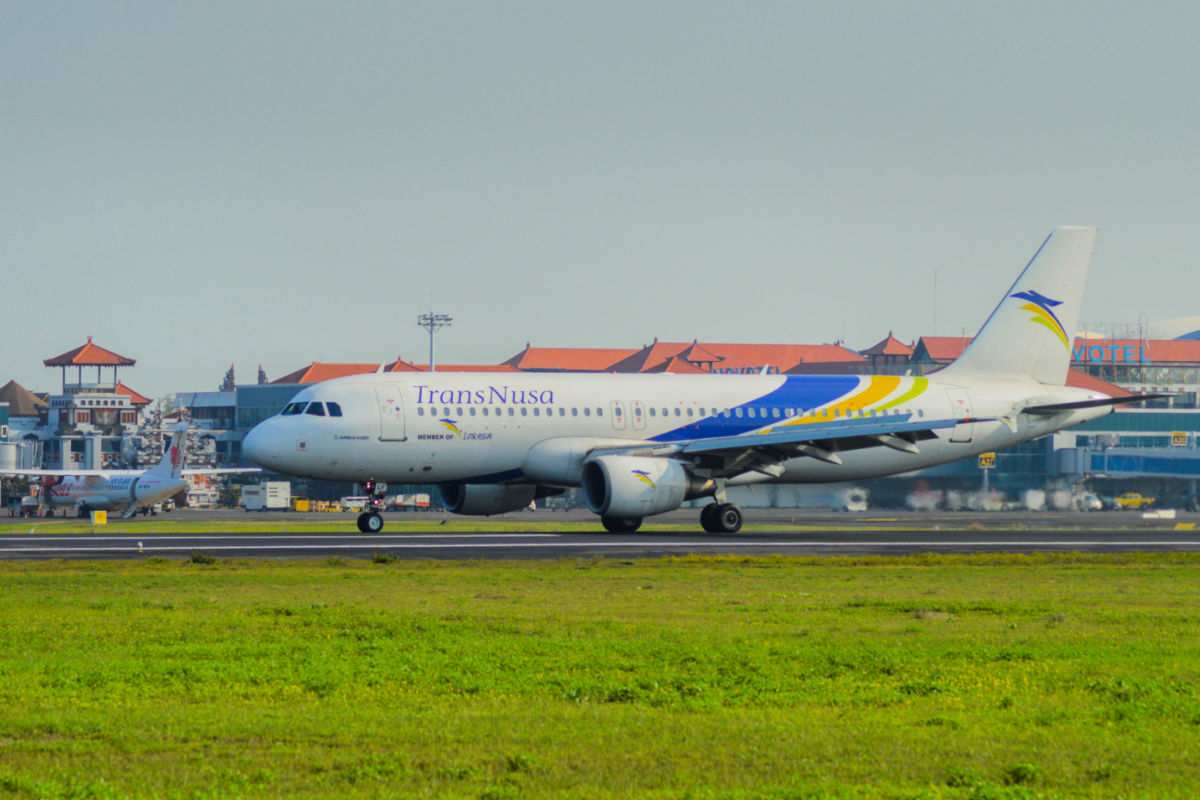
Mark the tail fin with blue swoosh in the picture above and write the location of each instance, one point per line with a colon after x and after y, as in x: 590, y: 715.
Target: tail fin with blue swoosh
x: 1030, y: 334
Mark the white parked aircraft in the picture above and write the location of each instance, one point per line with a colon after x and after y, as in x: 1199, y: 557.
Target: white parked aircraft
x: 641, y: 445
x: 125, y: 490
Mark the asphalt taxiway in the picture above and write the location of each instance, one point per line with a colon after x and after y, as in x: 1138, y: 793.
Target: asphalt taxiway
x: 797, y: 533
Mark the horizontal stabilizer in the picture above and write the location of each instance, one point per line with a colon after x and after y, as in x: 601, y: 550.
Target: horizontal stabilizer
x: 1054, y: 408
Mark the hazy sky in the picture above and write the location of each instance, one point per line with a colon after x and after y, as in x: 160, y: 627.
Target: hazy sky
x: 195, y: 184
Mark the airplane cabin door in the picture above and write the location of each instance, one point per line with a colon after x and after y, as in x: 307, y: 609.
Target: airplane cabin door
x: 616, y: 410
x: 637, y: 412
x: 391, y: 412
x: 960, y: 408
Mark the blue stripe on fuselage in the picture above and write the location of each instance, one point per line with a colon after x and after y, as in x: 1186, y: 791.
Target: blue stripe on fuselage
x: 798, y: 391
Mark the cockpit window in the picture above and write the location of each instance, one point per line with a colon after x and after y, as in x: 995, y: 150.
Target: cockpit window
x: 316, y: 409
x: 293, y: 408
x: 335, y: 410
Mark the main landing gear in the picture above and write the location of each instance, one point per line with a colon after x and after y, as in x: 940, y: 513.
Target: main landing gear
x: 714, y: 518
x: 621, y: 524
x: 370, y: 520
x: 721, y: 518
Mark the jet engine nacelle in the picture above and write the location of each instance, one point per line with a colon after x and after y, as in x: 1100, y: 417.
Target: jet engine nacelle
x: 559, y: 461
x: 486, y: 499
x: 636, y: 486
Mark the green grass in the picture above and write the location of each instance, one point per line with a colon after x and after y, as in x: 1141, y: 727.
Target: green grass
x: 728, y: 677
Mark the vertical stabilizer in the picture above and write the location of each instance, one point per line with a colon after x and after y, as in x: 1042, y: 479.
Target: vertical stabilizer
x: 1030, y: 333
x: 173, y: 455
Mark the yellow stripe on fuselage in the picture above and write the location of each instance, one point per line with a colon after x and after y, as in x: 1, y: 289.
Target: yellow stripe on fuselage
x: 877, y: 388
x: 918, y: 387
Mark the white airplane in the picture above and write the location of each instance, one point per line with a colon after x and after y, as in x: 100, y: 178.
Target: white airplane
x: 125, y: 490
x: 641, y: 445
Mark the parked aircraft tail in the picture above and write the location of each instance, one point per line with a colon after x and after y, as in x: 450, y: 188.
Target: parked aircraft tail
x: 173, y: 455
x: 1031, y: 331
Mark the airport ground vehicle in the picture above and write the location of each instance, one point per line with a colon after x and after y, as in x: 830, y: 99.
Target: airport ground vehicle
x: 354, y: 503
x: 1132, y: 500
x: 268, y: 496
x: 29, y: 505
x: 415, y: 501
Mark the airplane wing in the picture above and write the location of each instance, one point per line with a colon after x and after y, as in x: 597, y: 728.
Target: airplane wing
x: 68, y: 473
x: 766, y: 450
x: 112, y: 473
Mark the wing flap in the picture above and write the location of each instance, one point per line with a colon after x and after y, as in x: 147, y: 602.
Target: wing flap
x: 848, y: 435
x: 765, y: 452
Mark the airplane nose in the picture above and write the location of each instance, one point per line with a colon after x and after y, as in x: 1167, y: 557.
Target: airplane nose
x: 256, y: 446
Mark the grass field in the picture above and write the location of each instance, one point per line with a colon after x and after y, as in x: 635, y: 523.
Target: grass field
x: 954, y: 677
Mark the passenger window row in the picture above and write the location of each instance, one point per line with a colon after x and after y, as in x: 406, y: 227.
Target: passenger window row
x: 485, y: 411
x: 319, y: 409
x: 739, y: 413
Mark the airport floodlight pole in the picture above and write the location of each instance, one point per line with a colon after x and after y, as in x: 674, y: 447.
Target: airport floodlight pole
x: 432, y: 322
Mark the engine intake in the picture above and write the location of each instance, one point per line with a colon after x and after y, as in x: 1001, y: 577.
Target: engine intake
x: 637, y: 486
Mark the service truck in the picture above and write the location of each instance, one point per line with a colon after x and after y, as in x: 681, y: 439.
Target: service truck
x: 268, y: 496
x: 412, y: 502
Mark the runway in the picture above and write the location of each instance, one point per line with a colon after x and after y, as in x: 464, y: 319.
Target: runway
x: 548, y: 544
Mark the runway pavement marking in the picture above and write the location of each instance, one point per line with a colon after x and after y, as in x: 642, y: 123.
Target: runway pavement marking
x: 606, y: 544
x: 255, y: 536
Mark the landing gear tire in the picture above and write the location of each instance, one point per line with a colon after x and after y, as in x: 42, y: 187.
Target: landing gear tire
x: 370, y: 522
x: 721, y: 518
x: 621, y: 524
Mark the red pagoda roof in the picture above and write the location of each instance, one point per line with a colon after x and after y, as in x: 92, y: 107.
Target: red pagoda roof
x: 678, y: 365
x: 943, y: 348
x: 136, y: 398
x: 567, y: 359
x: 735, y: 357
x: 89, y: 355
x: 891, y: 346
x: 324, y: 371
x: 21, y: 401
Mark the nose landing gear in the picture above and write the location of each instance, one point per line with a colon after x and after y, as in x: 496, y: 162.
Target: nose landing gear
x: 370, y: 520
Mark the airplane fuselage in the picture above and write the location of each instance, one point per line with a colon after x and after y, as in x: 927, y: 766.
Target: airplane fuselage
x: 115, y: 493
x: 482, y: 428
